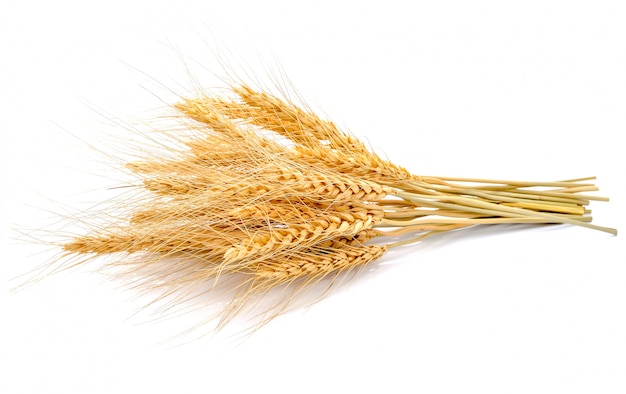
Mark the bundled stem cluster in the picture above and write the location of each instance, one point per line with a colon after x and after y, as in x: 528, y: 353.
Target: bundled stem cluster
x: 272, y: 195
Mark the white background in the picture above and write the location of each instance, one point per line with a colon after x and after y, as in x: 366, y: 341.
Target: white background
x: 517, y: 90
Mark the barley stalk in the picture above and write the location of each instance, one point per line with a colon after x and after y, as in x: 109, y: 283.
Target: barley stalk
x: 346, y: 221
x: 314, y: 265
x: 261, y: 194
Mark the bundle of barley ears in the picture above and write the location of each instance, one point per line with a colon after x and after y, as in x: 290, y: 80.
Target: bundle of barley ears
x: 260, y: 194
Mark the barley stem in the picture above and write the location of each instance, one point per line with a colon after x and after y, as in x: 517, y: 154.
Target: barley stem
x: 492, y: 209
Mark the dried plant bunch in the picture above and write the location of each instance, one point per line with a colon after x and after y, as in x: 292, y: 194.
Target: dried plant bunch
x: 258, y: 195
